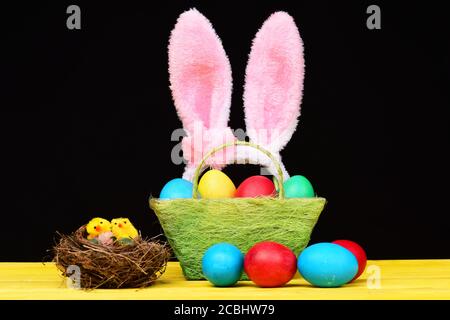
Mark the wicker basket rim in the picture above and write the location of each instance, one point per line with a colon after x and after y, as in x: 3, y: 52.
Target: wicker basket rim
x: 154, y: 199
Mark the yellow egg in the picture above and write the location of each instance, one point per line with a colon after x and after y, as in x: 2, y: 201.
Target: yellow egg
x: 216, y: 185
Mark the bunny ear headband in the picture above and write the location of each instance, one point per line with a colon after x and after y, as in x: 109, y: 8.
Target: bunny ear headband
x: 201, y: 84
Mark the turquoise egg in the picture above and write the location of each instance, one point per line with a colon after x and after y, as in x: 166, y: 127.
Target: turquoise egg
x: 223, y: 264
x: 327, y: 265
x: 298, y: 187
x: 176, y: 189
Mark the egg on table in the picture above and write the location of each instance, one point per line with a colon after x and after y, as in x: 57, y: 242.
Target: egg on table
x: 327, y: 265
x: 222, y: 264
x: 270, y: 264
x: 358, y: 252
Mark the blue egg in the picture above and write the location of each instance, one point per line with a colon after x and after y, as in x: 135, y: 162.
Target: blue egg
x: 223, y: 264
x: 176, y: 189
x: 327, y: 265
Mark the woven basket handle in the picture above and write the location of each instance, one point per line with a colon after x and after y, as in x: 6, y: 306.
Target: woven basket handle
x: 201, y: 166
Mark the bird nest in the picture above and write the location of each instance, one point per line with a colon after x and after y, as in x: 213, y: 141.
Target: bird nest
x: 134, y: 265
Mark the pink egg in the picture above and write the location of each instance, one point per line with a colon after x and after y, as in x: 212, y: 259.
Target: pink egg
x: 106, y: 238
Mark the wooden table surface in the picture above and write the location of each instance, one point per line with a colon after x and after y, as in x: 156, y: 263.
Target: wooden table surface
x: 398, y: 279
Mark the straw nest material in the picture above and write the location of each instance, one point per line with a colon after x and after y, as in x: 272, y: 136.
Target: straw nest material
x: 134, y: 265
x: 193, y: 225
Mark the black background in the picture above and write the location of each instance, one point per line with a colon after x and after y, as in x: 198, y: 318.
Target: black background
x: 87, y: 116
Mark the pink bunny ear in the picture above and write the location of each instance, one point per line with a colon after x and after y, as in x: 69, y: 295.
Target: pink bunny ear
x: 200, y: 73
x: 200, y: 79
x: 274, y: 82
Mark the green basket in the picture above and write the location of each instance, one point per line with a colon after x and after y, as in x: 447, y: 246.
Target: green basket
x: 193, y: 225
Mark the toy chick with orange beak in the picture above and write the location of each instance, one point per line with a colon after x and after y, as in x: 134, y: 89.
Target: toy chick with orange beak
x: 97, y: 226
x: 123, y: 228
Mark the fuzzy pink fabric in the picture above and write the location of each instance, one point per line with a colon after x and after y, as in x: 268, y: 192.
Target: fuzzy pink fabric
x: 196, y: 145
x: 200, y: 73
x: 200, y: 78
x: 274, y: 82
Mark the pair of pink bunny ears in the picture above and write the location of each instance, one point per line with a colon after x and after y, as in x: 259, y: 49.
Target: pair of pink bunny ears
x: 201, y: 84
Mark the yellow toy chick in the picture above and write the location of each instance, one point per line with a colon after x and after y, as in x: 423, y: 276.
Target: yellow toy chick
x: 97, y: 226
x: 123, y: 228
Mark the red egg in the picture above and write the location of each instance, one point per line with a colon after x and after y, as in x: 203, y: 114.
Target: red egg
x: 270, y: 264
x: 255, y: 186
x: 358, y: 252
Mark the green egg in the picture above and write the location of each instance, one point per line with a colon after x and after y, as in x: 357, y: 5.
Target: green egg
x: 126, y: 241
x: 298, y: 187
x: 94, y: 241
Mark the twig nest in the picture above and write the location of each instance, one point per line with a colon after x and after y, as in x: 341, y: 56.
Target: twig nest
x: 109, y: 264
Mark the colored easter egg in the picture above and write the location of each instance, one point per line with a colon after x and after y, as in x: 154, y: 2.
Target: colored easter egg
x: 94, y: 241
x: 359, y: 253
x: 125, y: 241
x: 327, y: 265
x: 106, y: 238
x: 215, y: 184
x: 255, y: 186
x: 176, y: 189
x: 222, y: 264
x: 270, y: 264
x: 298, y: 187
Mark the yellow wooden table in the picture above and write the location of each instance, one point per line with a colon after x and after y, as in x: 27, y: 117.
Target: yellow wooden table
x: 384, y: 279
